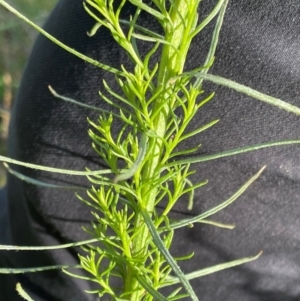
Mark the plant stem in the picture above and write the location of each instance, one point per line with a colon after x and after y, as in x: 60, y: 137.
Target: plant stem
x: 181, y: 22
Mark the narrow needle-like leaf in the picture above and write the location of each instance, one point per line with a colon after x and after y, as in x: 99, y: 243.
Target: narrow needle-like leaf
x: 232, y: 152
x: 140, y: 157
x: 39, y: 183
x: 249, y: 91
x: 37, y: 269
x: 213, y: 44
x: 217, y: 224
x: 209, y: 18
x: 213, y: 269
x: 62, y: 45
x: 22, y: 293
x: 41, y: 248
x: 153, y: 292
x: 165, y: 252
x: 55, y: 170
x: 218, y: 208
x: 68, y: 99
x: 148, y: 9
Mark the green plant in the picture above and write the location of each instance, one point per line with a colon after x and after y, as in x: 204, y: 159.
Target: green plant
x: 156, y: 104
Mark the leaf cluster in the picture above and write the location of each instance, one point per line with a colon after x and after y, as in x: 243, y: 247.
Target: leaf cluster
x: 154, y: 101
x: 155, y: 104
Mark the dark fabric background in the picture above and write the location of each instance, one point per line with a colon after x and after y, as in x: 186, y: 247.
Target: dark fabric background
x: 259, y: 47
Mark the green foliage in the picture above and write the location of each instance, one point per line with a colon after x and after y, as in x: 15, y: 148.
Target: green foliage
x: 155, y: 103
x: 22, y: 293
x: 159, y: 102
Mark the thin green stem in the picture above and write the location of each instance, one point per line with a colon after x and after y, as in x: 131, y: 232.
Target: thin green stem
x: 59, y: 43
x: 180, y: 24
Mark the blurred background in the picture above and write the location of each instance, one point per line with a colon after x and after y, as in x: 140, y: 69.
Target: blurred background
x: 16, y: 39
